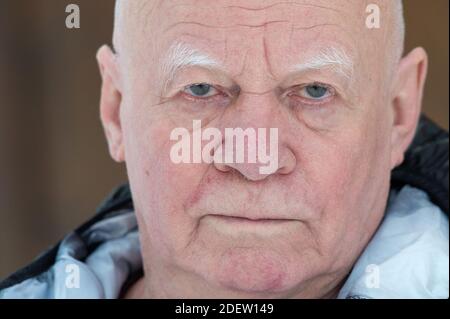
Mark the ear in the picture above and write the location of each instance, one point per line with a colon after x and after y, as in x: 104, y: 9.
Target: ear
x: 110, y: 102
x: 407, y: 102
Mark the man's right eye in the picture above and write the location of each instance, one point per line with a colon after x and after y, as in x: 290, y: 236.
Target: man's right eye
x: 200, y: 90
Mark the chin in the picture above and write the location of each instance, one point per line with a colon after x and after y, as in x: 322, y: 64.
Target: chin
x: 253, y: 271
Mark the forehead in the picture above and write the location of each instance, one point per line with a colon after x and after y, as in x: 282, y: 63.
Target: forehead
x: 233, y: 30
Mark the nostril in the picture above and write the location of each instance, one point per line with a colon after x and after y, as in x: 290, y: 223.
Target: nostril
x: 249, y: 172
x: 222, y: 167
x: 288, y: 162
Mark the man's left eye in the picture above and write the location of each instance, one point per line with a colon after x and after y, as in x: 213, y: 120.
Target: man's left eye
x: 200, y: 90
x: 315, y: 92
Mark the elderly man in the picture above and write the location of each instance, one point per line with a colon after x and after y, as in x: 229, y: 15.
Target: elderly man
x: 341, y: 213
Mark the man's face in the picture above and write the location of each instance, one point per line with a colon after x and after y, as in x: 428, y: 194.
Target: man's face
x: 305, y: 224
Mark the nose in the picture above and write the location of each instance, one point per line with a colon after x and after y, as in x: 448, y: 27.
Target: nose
x: 256, y: 172
x: 253, y: 144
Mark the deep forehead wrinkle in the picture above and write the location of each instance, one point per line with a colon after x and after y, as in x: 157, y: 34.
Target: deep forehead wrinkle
x: 294, y: 3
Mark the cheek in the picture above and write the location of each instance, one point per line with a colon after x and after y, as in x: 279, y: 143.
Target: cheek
x: 160, y: 187
x: 341, y: 165
x: 326, y: 169
x: 349, y: 175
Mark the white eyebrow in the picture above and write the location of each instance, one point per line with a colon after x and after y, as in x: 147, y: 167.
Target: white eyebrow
x: 332, y: 57
x: 181, y: 55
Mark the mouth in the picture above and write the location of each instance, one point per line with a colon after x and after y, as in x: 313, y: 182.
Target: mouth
x: 239, y: 220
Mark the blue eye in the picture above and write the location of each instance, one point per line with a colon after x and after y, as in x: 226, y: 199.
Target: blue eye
x: 315, y: 91
x: 200, y: 90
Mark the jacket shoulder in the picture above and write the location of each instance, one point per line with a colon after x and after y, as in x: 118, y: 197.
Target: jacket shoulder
x: 117, y: 201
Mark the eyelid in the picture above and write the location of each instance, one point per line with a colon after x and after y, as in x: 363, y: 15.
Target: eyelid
x: 221, y: 96
x: 220, y: 90
x: 198, y: 83
x: 330, y: 88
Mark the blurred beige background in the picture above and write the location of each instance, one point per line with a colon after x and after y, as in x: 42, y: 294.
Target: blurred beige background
x: 54, y: 165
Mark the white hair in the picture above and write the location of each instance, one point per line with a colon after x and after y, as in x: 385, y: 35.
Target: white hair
x: 332, y: 58
x: 181, y: 55
x: 399, y: 29
x: 117, y: 23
